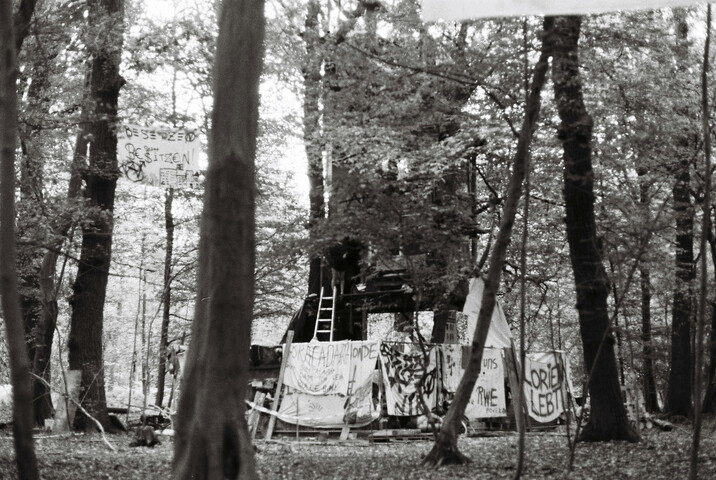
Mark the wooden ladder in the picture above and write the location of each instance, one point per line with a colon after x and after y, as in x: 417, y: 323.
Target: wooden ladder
x: 325, y: 316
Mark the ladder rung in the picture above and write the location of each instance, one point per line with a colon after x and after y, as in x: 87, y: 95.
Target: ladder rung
x: 323, y: 331
x: 326, y: 308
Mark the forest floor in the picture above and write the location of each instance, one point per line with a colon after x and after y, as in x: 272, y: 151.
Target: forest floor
x: 659, y: 455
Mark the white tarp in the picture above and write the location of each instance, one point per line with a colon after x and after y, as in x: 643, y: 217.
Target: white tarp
x: 326, y: 407
x: 463, y: 9
x: 319, y: 368
x: 547, y: 383
x: 159, y: 156
x: 499, y: 335
x: 488, y: 396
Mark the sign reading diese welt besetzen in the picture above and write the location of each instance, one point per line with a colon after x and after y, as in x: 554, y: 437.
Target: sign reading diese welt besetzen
x: 159, y: 156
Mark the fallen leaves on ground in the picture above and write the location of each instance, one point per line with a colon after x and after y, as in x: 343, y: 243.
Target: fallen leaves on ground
x: 660, y: 455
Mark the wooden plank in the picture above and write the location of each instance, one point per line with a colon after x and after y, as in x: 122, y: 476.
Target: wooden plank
x: 255, y: 415
x: 279, y: 385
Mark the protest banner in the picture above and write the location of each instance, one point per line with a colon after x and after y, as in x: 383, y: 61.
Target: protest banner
x: 159, y: 156
x: 319, y: 368
x: 545, y: 387
x: 404, y: 373
x: 325, y: 407
x: 488, y: 397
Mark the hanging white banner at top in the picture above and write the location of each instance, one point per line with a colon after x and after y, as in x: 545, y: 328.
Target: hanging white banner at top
x: 159, y: 156
x: 466, y: 9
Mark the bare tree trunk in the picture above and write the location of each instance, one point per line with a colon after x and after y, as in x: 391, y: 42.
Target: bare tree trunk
x: 650, y: 396
x: 166, y: 296
x: 312, y: 136
x: 706, y: 227
x: 90, y: 287
x: 445, y: 449
x: 212, y: 439
x: 678, y: 395
x: 608, y: 420
x: 19, y: 368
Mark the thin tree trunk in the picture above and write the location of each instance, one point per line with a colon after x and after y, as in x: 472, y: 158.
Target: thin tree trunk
x: 166, y: 296
x: 19, y: 365
x: 212, y: 439
x: 445, y: 449
x: 650, y: 394
x: 706, y: 227
x: 608, y: 420
x: 90, y: 287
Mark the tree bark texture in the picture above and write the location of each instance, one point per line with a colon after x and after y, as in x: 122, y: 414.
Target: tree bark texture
x: 312, y: 135
x: 90, y: 287
x: 678, y: 394
x: 608, y: 420
x: 19, y: 364
x: 212, y: 439
x: 166, y: 296
x: 445, y: 450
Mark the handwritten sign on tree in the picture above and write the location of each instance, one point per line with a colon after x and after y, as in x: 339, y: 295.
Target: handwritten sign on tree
x: 161, y: 157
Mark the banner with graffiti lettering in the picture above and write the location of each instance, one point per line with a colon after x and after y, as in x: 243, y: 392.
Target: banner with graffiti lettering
x: 159, y: 156
x: 319, y: 368
x: 488, y: 396
x: 404, y: 370
x: 357, y: 406
x: 545, y: 387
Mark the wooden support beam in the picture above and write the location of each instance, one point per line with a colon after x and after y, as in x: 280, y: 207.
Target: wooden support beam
x: 279, y: 385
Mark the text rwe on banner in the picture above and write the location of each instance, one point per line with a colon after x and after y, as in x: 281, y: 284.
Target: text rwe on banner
x: 159, y: 156
x: 546, y: 388
x: 488, y: 395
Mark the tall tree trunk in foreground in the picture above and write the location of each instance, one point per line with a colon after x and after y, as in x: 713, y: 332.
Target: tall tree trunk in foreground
x: 90, y: 287
x: 705, y: 229
x: 608, y: 420
x: 212, y: 439
x: 678, y: 395
x: 166, y: 296
x: 19, y: 374
x: 445, y: 450
x: 312, y: 136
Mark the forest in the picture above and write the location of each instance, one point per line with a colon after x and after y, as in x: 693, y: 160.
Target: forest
x: 185, y: 185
